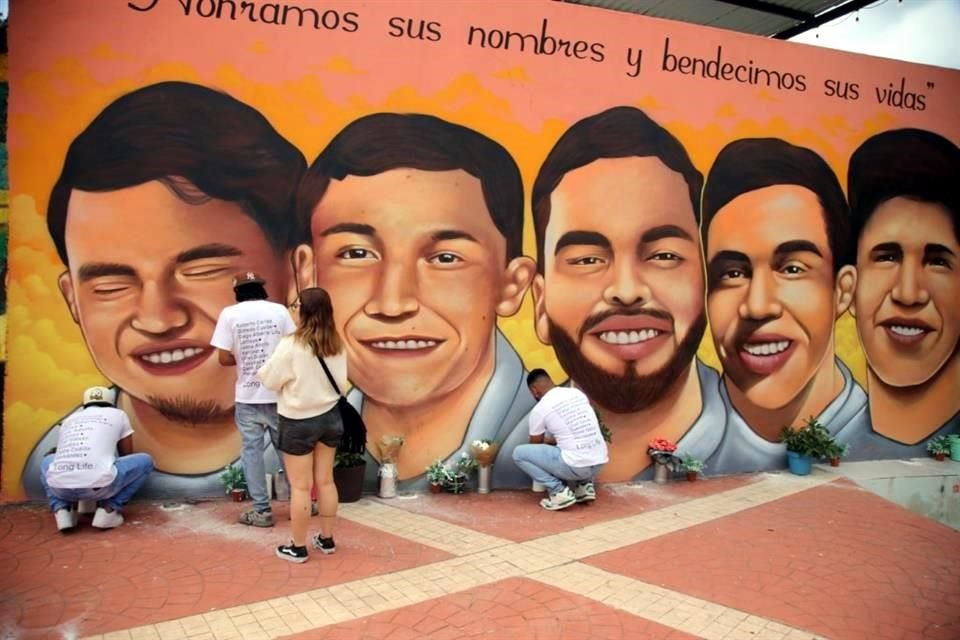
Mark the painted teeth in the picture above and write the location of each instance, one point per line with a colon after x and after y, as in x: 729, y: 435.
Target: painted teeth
x: 404, y: 344
x: 166, y: 357
x: 628, y: 337
x: 767, y: 348
x: 906, y: 331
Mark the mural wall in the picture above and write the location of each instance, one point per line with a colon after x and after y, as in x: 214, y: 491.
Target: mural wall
x: 713, y: 235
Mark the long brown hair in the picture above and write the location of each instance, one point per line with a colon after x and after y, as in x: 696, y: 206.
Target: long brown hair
x: 317, y: 329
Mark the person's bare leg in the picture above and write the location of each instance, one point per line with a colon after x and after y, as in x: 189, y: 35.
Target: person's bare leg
x: 327, y: 498
x: 300, y: 470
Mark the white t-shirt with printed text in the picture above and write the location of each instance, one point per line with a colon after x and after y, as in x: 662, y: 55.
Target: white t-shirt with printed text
x: 251, y: 331
x: 566, y: 414
x: 87, y: 448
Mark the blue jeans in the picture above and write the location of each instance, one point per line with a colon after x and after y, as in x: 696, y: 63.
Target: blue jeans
x: 543, y: 463
x: 253, y: 420
x: 132, y: 473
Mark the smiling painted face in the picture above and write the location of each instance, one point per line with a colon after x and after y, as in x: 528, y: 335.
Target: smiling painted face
x: 621, y: 295
x: 908, y: 317
x: 148, y: 276
x: 771, y: 295
x: 417, y: 273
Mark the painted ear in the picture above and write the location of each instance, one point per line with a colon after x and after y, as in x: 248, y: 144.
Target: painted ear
x: 303, y: 266
x: 846, y: 285
x: 519, y: 273
x: 540, y: 322
x: 65, y: 283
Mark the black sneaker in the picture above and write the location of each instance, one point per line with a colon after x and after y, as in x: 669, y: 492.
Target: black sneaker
x: 325, y: 545
x: 293, y: 553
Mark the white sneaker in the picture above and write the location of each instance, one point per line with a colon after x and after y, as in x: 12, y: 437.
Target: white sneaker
x: 66, y: 519
x: 86, y: 506
x: 104, y: 519
x: 585, y: 492
x: 560, y: 500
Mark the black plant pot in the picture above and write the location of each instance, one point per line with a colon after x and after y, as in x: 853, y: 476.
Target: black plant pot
x: 349, y: 481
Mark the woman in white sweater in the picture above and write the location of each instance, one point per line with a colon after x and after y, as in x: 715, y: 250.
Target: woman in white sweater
x: 310, y: 424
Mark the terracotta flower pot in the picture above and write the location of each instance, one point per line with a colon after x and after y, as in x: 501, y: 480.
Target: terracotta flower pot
x: 834, y: 462
x: 940, y: 456
x: 691, y: 475
x: 237, y: 495
x: 436, y: 488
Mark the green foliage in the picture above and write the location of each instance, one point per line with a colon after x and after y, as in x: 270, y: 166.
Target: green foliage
x: 812, y: 440
x: 692, y: 464
x: 604, y: 429
x: 940, y: 444
x: 437, y: 473
x: 348, y: 459
x: 233, y: 478
x: 837, y: 450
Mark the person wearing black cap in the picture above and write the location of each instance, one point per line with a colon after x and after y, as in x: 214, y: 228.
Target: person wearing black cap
x: 904, y: 192
x: 777, y: 238
x: 246, y: 335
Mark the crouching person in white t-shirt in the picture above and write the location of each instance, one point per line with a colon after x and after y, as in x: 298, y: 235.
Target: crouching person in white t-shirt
x: 86, y: 467
x: 576, y: 451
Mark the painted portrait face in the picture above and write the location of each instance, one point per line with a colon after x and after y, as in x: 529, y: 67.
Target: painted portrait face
x: 417, y: 273
x: 908, y: 287
x: 621, y: 295
x: 148, y: 276
x: 771, y: 299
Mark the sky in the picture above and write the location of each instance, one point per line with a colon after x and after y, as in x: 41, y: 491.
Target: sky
x: 924, y: 31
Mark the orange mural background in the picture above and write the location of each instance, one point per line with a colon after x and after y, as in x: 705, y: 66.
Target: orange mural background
x: 71, y: 58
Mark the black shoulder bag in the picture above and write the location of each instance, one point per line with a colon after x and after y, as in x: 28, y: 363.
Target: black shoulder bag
x: 354, y: 438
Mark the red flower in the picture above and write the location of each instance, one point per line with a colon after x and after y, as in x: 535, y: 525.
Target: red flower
x: 662, y: 444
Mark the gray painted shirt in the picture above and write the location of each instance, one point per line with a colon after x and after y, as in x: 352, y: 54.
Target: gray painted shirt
x: 505, y: 401
x: 742, y: 450
x: 867, y: 444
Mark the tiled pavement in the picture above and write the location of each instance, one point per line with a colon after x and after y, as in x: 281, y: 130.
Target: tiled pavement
x: 765, y: 556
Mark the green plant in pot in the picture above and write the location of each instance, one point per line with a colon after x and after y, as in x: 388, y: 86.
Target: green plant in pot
x: 939, y: 447
x: 234, y: 481
x: 693, y: 467
x: 437, y: 476
x: 804, y: 444
x: 348, y: 470
x: 835, y: 451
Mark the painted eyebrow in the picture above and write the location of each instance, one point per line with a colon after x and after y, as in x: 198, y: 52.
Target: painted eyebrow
x: 349, y: 227
x: 796, y: 246
x: 887, y: 246
x: 728, y: 257
x: 582, y: 237
x: 453, y: 234
x: 212, y: 250
x: 937, y: 249
x: 665, y: 231
x: 92, y: 270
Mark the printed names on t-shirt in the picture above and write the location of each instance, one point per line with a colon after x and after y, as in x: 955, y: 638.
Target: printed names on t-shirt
x: 580, y: 421
x: 73, y: 450
x: 253, y: 340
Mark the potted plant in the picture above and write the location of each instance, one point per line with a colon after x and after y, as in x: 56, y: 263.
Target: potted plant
x: 436, y: 476
x: 939, y: 447
x: 456, y: 481
x: 234, y: 482
x: 804, y: 444
x: 348, y: 470
x: 835, y: 451
x: 693, y: 466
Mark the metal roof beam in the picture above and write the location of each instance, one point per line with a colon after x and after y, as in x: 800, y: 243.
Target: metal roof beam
x: 772, y: 8
x: 826, y: 16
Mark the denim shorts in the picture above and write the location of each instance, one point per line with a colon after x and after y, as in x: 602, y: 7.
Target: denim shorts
x: 299, y: 437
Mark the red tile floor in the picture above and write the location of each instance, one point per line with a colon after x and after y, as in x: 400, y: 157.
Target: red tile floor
x: 826, y: 559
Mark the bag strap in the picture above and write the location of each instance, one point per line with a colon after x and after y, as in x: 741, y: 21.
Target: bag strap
x: 329, y: 376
